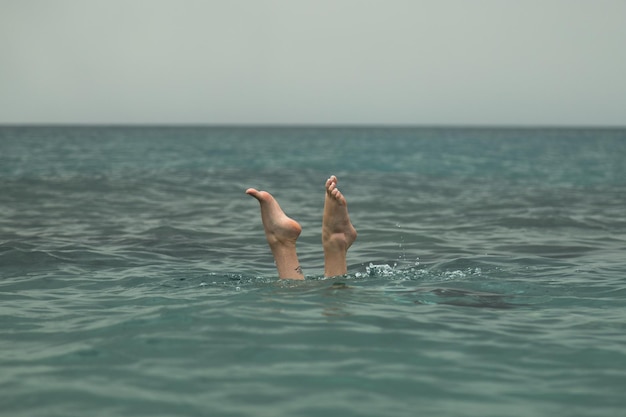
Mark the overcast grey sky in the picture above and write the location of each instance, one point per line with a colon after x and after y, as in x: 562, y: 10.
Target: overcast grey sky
x: 459, y: 62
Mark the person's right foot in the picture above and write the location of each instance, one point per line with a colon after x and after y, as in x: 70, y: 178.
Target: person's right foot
x: 338, y: 233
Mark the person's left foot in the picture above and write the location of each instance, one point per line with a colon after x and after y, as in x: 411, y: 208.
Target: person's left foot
x: 280, y: 229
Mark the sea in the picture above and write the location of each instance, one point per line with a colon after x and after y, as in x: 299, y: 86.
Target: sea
x: 488, y: 277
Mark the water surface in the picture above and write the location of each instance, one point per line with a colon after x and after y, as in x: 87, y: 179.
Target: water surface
x: 487, y: 278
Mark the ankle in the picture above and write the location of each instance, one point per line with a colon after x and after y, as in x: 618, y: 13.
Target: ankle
x: 277, y: 245
x: 336, y: 242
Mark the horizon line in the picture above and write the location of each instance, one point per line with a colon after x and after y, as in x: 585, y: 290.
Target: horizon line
x: 319, y: 125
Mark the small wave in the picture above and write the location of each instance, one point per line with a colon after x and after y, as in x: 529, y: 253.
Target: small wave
x: 30, y: 259
x: 395, y: 271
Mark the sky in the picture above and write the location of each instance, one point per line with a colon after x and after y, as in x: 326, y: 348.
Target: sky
x: 328, y: 62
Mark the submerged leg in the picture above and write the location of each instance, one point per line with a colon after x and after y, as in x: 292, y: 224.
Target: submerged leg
x: 338, y: 234
x: 281, y: 232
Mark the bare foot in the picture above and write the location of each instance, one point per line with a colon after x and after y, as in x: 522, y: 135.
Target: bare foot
x: 338, y: 234
x: 279, y: 228
x: 281, y: 232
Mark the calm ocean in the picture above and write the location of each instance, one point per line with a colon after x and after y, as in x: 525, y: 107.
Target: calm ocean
x: 488, y: 278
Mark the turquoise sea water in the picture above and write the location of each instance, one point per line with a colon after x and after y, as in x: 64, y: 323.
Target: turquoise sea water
x: 488, y: 278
